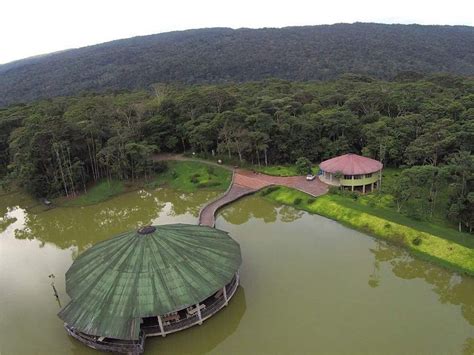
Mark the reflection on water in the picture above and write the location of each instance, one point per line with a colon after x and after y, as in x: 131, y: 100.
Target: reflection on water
x: 468, y: 347
x: 83, y: 226
x: 205, y: 338
x: 311, y: 285
x: 450, y: 287
x: 238, y: 213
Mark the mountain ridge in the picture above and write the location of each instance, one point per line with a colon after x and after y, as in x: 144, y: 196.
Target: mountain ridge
x: 219, y: 55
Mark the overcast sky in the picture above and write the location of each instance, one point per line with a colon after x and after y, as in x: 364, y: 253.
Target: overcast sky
x: 31, y: 27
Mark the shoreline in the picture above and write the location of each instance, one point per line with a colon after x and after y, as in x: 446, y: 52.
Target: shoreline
x: 444, y: 251
x: 427, y: 246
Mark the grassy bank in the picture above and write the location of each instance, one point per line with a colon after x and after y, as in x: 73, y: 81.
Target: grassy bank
x: 5, y: 222
x: 282, y: 170
x: 414, y: 207
x: 189, y: 176
x: 455, y: 251
x: 99, y: 192
x: 382, y: 204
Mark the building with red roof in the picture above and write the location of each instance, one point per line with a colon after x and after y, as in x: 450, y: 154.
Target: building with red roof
x: 352, y: 171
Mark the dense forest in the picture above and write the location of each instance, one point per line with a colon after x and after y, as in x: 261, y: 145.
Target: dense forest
x: 223, y: 55
x: 60, y: 146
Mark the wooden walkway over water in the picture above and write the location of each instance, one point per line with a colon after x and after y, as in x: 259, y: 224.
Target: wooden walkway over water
x: 245, y: 182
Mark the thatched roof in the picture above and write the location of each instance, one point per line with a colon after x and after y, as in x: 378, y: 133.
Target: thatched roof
x: 118, y: 281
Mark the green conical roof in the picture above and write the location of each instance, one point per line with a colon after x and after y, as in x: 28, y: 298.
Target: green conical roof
x: 118, y: 281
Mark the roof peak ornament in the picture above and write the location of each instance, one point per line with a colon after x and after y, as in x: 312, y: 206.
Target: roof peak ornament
x: 146, y: 230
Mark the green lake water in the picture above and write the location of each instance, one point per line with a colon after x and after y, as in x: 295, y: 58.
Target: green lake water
x: 308, y: 284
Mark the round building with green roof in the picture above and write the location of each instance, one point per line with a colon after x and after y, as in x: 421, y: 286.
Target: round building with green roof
x: 154, y: 281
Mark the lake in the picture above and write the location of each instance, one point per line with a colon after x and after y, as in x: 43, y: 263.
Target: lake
x: 308, y: 284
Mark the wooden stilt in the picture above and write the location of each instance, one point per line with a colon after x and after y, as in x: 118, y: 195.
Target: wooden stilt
x: 162, y: 330
x: 199, y: 313
x: 225, y: 295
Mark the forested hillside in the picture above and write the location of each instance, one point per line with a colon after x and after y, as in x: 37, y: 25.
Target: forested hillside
x: 222, y: 55
x: 60, y: 146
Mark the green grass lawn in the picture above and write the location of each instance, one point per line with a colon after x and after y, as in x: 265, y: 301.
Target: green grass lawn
x: 382, y: 203
x: 189, y: 176
x: 282, y: 170
x: 98, y: 193
x: 436, y: 243
x: 185, y: 176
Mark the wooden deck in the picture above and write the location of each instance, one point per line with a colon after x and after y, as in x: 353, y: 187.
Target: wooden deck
x: 246, y: 182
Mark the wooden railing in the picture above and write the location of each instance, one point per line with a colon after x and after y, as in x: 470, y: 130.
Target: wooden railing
x: 122, y: 346
x: 217, y: 198
x: 207, y: 312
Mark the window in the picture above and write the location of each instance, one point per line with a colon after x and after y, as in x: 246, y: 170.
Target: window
x: 358, y: 177
x: 368, y: 175
x: 347, y: 177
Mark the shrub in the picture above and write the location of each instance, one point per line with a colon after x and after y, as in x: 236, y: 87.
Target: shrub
x: 415, y: 213
x: 269, y: 190
x: 174, y: 174
x: 398, y: 238
x: 354, y: 195
x: 416, y: 241
x: 194, y: 179
x: 211, y: 170
x: 297, y: 201
x: 273, y: 188
x: 387, y: 225
x: 159, y: 166
x: 303, y: 166
x: 4, y: 185
x: 335, y: 190
x: 310, y: 200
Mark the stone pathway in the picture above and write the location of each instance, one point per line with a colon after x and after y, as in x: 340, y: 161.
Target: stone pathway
x: 245, y: 182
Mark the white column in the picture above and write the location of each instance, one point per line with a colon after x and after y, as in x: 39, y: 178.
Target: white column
x: 352, y: 188
x: 372, y: 188
x: 380, y: 180
x: 199, y: 314
x: 161, y: 326
x: 225, y: 295
x: 363, y: 189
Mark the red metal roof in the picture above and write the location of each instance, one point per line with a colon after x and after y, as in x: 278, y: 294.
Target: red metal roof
x: 351, y: 164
